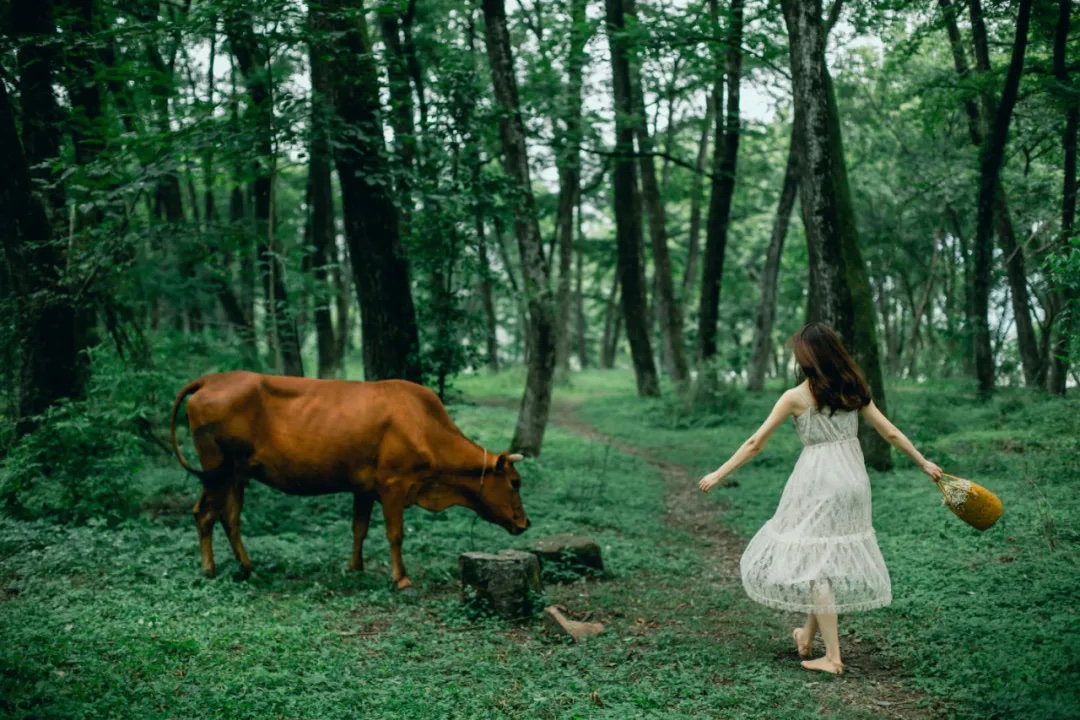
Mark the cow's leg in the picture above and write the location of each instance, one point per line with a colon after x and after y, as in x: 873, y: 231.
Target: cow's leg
x: 393, y: 507
x: 230, y: 520
x: 362, y: 503
x: 207, y: 511
x: 211, y: 502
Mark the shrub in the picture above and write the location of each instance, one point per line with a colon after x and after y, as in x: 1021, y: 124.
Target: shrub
x: 78, y: 461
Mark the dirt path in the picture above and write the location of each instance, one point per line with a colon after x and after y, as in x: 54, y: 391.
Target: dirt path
x: 871, y: 686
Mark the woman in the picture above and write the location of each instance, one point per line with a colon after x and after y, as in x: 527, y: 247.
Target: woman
x: 818, y: 554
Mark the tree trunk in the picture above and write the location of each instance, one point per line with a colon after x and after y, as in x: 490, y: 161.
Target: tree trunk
x: 665, y: 306
x: 569, y: 179
x: 725, y: 156
x: 1013, y: 255
x: 254, y: 66
x: 521, y: 338
x: 762, y: 348
x: 50, y: 359
x: 321, y: 207
x: 579, y: 295
x: 41, y: 117
x: 87, y: 131
x: 344, y: 302
x: 1057, y: 376
x: 612, y: 319
x: 536, y: 403
x: 694, y: 241
x: 992, y: 156
x: 968, y: 279
x: 401, y: 106
x: 920, y: 309
x: 628, y: 235
x: 372, y: 229
x: 839, y: 289
x: 487, y: 296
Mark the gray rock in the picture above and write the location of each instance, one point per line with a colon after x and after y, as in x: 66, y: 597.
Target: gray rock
x: 507, y: 582
x: 575, y: 553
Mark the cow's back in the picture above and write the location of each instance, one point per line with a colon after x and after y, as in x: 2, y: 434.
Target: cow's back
x: 309, y: 436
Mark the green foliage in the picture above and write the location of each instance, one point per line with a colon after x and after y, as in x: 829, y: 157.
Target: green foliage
x: 75, y: 464
x: 1065, y: 267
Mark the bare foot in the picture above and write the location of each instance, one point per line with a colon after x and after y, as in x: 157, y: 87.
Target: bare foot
x: 805, y: 648
x: 824, y: 664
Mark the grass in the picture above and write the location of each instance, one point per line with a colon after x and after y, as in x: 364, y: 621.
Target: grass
x: 99, y: 622
x: 987, y: 621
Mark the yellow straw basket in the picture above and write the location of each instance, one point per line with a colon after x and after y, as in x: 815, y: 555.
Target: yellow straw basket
x: 970, y: 502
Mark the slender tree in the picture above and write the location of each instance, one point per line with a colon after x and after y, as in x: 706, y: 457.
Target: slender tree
x: 579, y: 295
x: 725, y: 153
x: 321, y: 193
x: 628, y: 232
x: 1012, y: 254
x: 665, y: 305
x: 762, y: 347
x: 992, y: 157
x: 609, y: 344
x: 569, y: 161
x: 1057, y: 376
x: 254, y: 63
x: 536, y: 403
x: 694, y: 242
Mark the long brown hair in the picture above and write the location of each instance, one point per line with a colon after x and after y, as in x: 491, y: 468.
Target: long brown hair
x: 835, y: 379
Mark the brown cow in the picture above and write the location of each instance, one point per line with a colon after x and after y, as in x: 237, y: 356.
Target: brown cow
x: 390, y: 441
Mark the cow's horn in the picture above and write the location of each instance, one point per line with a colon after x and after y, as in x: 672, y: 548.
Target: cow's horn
x: 515, y: 457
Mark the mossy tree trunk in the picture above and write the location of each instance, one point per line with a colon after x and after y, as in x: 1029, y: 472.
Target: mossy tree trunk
x: 839, y: 289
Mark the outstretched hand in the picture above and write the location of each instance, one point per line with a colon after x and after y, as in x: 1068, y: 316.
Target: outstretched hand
x: 706, y: 483
x: 932, y: 470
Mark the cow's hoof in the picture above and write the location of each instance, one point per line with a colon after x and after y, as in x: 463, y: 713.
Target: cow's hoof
x: 243, y: 574
x: 209, y: 572
x: 408, y: 591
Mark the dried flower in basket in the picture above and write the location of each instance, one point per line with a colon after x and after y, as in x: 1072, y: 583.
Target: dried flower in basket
x: 969, y: 501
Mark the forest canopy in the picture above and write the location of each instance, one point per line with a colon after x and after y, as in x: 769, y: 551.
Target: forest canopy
x: 420, y: 189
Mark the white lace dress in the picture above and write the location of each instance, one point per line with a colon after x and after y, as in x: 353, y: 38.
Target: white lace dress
x: 819, y: 553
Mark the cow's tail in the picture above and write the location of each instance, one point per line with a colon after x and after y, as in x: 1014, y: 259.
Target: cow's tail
x: 189, y: 389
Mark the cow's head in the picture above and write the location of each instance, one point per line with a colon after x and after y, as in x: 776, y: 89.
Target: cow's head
x: 500, y: 501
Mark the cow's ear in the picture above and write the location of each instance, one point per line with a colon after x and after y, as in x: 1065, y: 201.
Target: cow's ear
x: 501, y: 462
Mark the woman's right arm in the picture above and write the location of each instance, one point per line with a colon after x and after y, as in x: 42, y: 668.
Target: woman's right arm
x: 898, y: 440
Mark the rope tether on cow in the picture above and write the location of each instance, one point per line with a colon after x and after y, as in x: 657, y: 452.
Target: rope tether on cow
x: 189, y: 389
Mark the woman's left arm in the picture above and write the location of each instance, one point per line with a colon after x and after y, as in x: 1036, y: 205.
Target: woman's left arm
x: 783, y: 409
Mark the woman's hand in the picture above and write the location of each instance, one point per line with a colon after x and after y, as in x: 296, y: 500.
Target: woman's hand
x: 932, y: 470
x: 706, y: 483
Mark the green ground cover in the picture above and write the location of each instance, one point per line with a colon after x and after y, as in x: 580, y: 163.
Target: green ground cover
x: 115, y: 621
